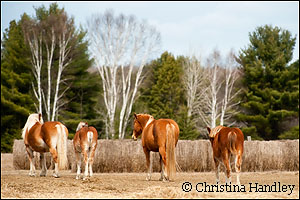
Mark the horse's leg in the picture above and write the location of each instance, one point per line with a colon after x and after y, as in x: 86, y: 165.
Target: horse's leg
x: 86, y: 161
x: 238, y: 163
x: 217, y: 168
x: 91, y: 160
x: 31, y: 157
x: 162, y: 152
x: 78, y: 163
x: 226, y: 161
x: 43, y: 162
x: 147, y: 154
x: 54, y: 156
x: 161, y: 168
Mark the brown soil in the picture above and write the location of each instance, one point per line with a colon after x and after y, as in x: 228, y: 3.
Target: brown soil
x: 17, y: 184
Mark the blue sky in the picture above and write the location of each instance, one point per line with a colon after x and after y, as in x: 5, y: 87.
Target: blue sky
x: 185, y: 27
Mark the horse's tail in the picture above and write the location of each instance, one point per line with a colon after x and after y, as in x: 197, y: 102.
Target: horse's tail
x: 170, y: 151
x: 62, y: 146
x: 232, y: 141
x: 90, y: 136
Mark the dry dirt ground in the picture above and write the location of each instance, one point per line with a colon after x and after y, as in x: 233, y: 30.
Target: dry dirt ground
x: 17, y: 184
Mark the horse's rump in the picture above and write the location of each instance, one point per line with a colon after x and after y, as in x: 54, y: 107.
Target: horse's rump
x: 231, y: 138
x: 85, y: 134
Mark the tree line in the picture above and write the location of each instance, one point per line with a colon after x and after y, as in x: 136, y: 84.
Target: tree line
x: 105, y: 72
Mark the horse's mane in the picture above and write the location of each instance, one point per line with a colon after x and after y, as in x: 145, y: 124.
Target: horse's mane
x: 80, y: 125
x: 146, y: 115
x: 215, y: 130
x: 32, y: 119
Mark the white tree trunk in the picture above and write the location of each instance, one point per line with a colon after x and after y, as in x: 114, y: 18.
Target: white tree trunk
x: 35, y: 45
x: 193, y: 80
x: 49, y: 65
x: 231, y: 76
x: 219, y: 104
x: 209, y: 110
x: 62, y: 64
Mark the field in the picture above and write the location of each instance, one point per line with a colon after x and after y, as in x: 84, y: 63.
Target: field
x: 17, y: 184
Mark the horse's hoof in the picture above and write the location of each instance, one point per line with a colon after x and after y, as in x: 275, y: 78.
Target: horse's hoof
x: 161, y: 179
x: 165, y: 179
x: 148, y: 178
x: 56, y: 176
x: 42, y: 175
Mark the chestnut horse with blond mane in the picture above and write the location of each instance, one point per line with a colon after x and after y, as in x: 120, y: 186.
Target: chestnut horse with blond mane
x: 45, y: 137
x: 226, y: 141
x: 158, y: 136
x: 85, y: 142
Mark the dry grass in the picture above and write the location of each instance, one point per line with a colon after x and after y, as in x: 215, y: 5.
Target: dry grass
x: 192, y: 156
x: 18, y: 184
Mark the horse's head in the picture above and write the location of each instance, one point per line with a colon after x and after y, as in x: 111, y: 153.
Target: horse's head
x: 80, y: 125
x: 211, y: 139
x: 32, y: 119
x: 137, y: 127
x: 213, y: 132
x: 141, y: 121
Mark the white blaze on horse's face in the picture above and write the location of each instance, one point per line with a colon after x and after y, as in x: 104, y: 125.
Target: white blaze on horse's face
x: 137, y: 130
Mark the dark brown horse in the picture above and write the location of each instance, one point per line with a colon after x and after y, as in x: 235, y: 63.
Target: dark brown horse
x: 226, y: 141
x: 158, y: 136
x: 44, y: 137
x: 85, y: 142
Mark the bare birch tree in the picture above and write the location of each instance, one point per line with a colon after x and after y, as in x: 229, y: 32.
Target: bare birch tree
x: 50, y: 43
x: 120, y: 43
x: 209, y: 110
x: 65, y: 34
x: 231, y: 74
x: 221, y: 92
x: 55, y: 30
x: 194, y: 80
x: 34, y: 36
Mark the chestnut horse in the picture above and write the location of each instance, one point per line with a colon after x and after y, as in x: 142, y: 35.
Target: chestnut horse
x: 158, y: 136
x: 226, y: 141
x: 85, y: 142
x: 45, y: 137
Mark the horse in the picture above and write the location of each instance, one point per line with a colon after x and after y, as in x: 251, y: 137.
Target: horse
x: 85, y: 142
x: 159, y: 136
x: 45, y: 137
x: 226, y: 141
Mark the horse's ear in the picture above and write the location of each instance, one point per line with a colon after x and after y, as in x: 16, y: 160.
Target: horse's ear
x: 208, y: 129
x: 135, y: 115
x: 40, y: 116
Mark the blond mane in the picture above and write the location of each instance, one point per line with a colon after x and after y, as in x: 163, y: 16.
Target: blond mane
x: 215, y: 130
x: 80, y: 125
x: 32, y: 119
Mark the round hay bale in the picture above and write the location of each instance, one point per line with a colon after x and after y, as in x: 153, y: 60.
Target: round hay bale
x: 20, y: 157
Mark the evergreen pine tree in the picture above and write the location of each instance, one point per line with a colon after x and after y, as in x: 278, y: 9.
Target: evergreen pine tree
x: 164, y: 94
x: 16, y: 101
x: 269, y: 97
